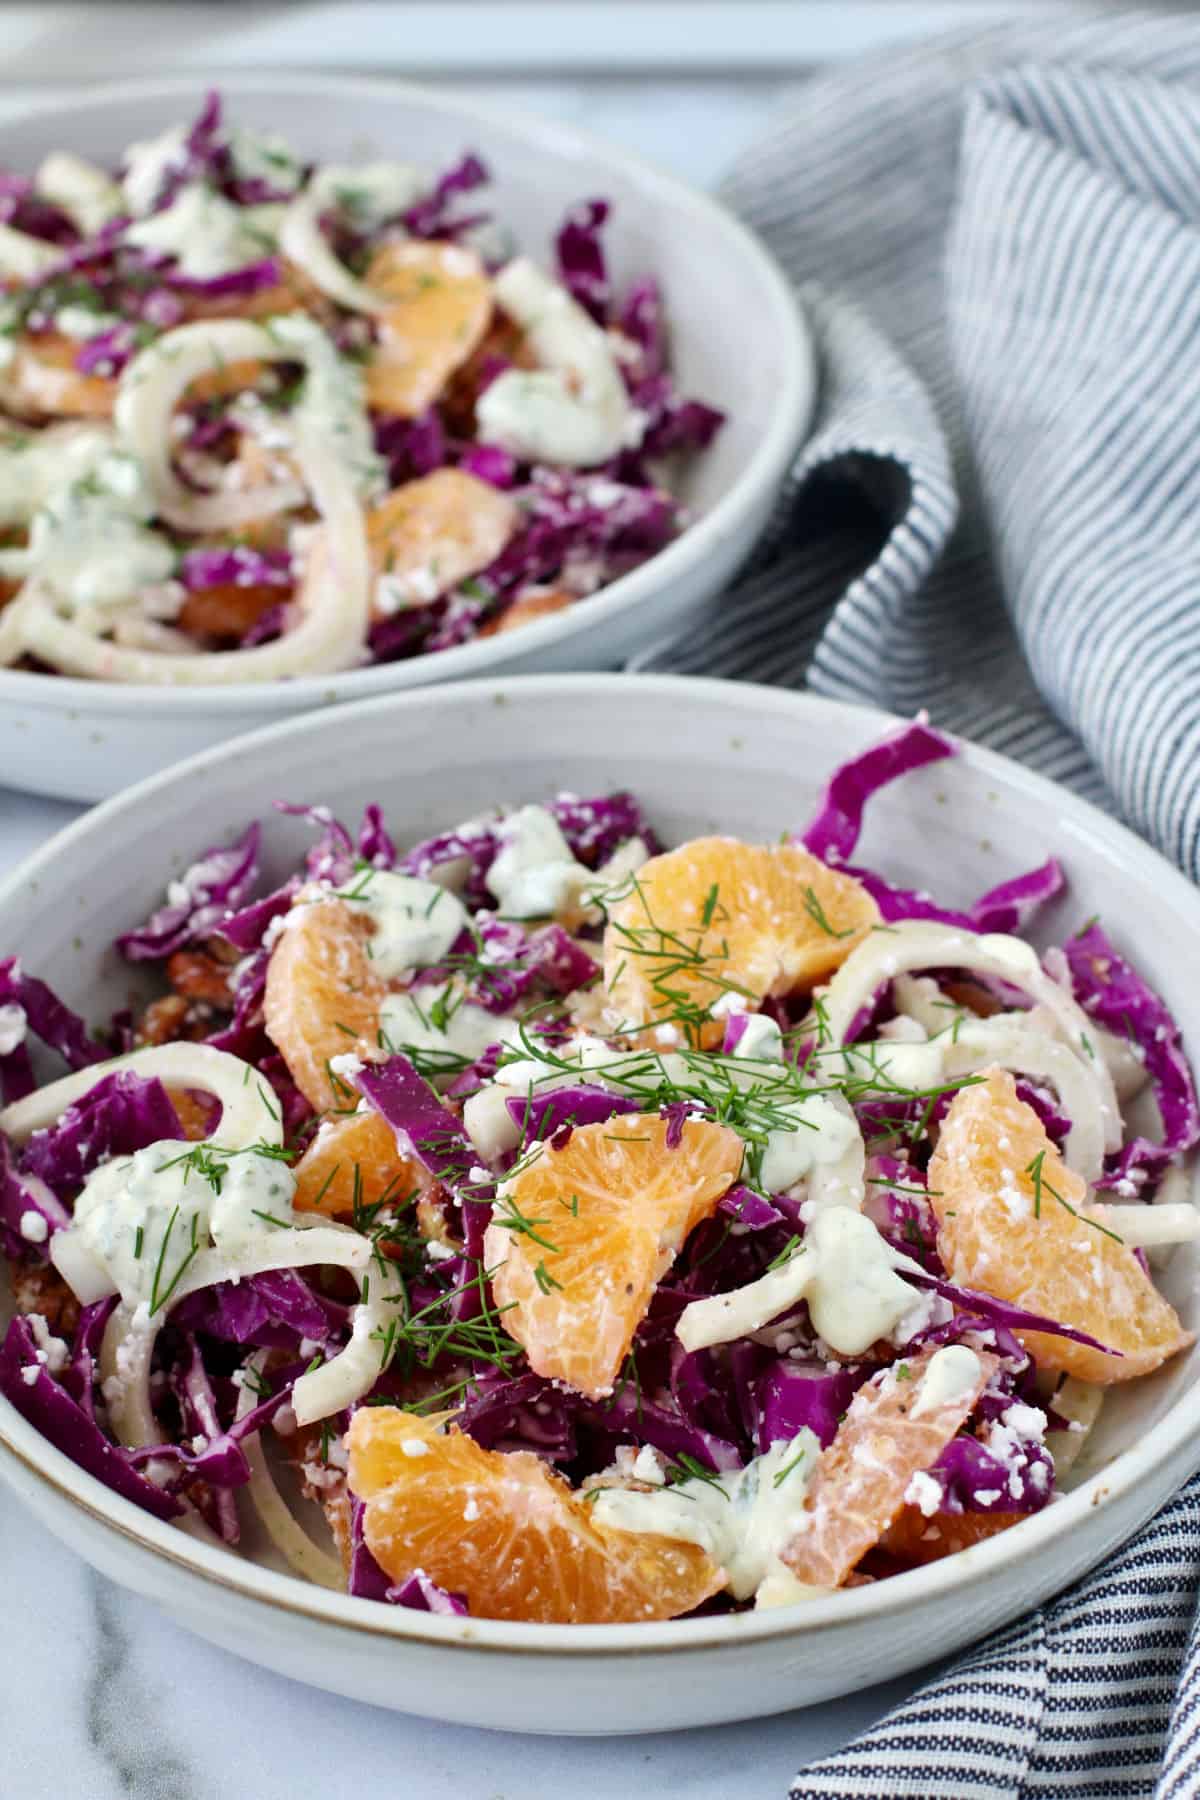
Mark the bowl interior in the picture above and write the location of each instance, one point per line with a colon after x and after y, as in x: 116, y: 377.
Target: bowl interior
x: 703, y: 756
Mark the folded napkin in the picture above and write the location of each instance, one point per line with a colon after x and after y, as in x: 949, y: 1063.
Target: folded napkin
x: 998, y: 517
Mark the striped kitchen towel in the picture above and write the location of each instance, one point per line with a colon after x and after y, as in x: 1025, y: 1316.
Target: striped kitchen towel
x: 998, y: 517
x: 998, y: 241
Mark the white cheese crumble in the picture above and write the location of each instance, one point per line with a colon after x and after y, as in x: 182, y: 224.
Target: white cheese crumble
x: 924, y: 1492
x: 415, y: 921
x: 13, y: 1024
x: 534, y: 875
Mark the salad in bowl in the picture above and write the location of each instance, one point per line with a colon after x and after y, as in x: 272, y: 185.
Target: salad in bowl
x: 262, y: 418
x: 541, y: 1224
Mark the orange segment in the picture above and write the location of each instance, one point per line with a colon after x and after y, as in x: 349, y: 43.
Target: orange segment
x: 538, y: 603
x: 353, y: 1160
x: 439, y: 306
x: 506, y: 1531
x: 716, y: 915
x: 581, y: 1235
x: 895, y: 1427
x: 194, y: 1112
x: 912, y: 1538
x: 42, y: 378
x: 428, y: 535
x: 322, y: 999
x: 1017, y: 1227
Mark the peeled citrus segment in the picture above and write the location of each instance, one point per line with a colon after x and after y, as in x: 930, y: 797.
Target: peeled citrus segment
x: 235, y: 377
x: 719, y: 917
x: 1013, y: 1221
x: 506, y: 1532
x: 912, y: 1538
x: 581, y: 1235
x: 194, y: 1112
x: 438, y: 305
x: 41, y: 377
x: 427, y: 536
x: 354, y: 1162
x: 897, y: 1425
x: 538, y: 603
x: 322, y: 999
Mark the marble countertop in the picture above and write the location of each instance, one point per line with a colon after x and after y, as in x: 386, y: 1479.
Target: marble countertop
x: 106, y: 1699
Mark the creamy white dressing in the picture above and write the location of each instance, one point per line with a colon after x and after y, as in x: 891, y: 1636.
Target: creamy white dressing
x: 24, y: 257
x: 438, y: 1021
x: 121, y: 1240
x: 207, y: 234
x: 332, y: 406
x: 574, y: 409
x: 87, y: 194
x: 368, y: 194
x: 824, y: 1132
x: 844, y: 1269
x: 82, y: 323
x: 147, y: 165
x: 951, y: 1374
x: 89, y: 540
x: 534, y: 874
x: 415, y: 922
x: 744, y: 1520
x: 761, y: 1040
x: 140, y: 1216
x: 265, y: 156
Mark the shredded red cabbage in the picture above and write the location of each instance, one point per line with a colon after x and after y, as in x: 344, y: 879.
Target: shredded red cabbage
x: 410, y: 1106
x: 487, y: 462
x: 411, y: 447
x: 272, y: 1311
x: 562, y: 1109
x: 791, y: 1396
x: 1115, y: 995
x: 435, y: 216
x: 56, y: 1025
x: 582, y: 268
x: 974, y: 1479
x: 218, y: 884
x: 238, y: 566
x: 121, y: 1114
x: 32, y: 1391
x: 21, y: 1195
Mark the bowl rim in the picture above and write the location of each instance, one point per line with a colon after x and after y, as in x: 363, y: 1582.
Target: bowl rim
x: 1174, y: 1440
x: 791, y: 414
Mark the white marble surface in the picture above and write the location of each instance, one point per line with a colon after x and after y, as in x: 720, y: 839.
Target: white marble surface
x: 102, y: 1697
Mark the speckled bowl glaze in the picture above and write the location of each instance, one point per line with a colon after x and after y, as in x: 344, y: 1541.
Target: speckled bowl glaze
x: 739, y: 341
x: 703, y: 756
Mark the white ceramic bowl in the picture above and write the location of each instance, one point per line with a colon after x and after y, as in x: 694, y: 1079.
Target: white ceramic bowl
x: 703, y: 756
x: 739, y: 341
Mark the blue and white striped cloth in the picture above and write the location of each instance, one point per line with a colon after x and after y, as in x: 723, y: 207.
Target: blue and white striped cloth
x: 998, y: 517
